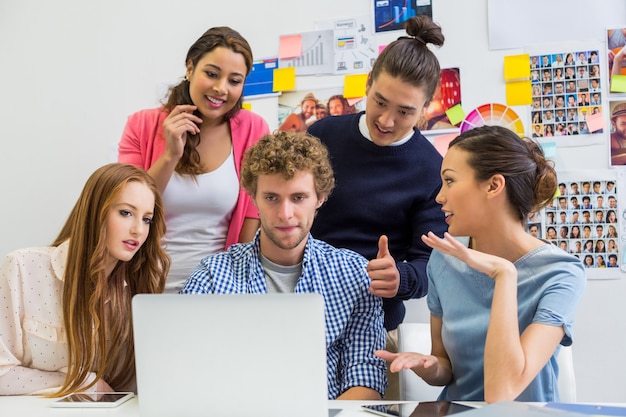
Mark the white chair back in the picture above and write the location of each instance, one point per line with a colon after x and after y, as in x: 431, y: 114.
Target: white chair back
x: 415, y: 337
x: 567, y: 381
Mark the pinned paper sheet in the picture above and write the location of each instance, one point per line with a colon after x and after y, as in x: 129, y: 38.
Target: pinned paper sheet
x: 516, y: 67
x: 284, y: 79
x: 441, y: 142
x: 595, y: 122
x: 518, y: 93
x: 455, y: 114
x: 246, y: 106
x: 353, y: 101
x: 380, y: 48
x: 290, y: 46
x: 549, y: 150
x: 354, y: 85
x: 618, y: 83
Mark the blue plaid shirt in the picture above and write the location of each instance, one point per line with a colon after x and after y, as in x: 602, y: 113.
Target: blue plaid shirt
x: 354, y: 317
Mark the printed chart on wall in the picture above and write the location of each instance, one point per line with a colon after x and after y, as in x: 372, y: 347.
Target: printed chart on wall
x: 317, y: 54
x: 585, y: 220
x: 493, y: 114
x: 391, y: 14
x: 353, y: 41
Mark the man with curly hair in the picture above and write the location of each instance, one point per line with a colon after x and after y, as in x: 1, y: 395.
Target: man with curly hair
x: 289, y: 176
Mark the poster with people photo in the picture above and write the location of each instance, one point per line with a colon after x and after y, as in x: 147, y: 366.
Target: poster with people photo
x: 297, y: 110
x: 618, y: 132
x: 616, y: 51
x: 584, y: 220
x: 566, y: 87
x: 446, y: 96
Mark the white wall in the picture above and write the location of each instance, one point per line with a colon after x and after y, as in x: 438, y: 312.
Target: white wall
x: 71, y: 71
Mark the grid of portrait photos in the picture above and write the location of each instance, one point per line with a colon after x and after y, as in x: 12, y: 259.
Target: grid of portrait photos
x: 566, y: 87
x: 583, y: 219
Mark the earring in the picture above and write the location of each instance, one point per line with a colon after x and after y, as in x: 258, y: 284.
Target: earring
x: 186, y: 79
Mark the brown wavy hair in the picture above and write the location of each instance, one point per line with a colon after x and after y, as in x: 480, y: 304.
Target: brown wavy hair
x: 286, y: 153
x: 97, y: 308
x: 221, y: 36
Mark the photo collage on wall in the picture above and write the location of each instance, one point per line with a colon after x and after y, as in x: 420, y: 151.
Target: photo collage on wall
x: 583, y: 220
x: 616, y: 58
x: 566, y: 87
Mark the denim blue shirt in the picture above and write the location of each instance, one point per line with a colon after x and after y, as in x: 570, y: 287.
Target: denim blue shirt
x: 549, y: 289
x: 354, y: 317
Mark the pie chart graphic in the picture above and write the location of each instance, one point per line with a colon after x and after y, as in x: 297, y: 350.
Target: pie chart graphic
x: 493, y: 114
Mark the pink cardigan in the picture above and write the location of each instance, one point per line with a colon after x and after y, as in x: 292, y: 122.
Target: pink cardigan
x: 143, y: 141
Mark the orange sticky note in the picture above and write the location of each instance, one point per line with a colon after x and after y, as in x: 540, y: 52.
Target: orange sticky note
x: 290, y: 46
x: 284, y: 79
x: 518, y: 93
x: 595, y: 122
x: 441, y: 142
x: 354, y: 85
x: 455, y: 114
x: 516, y: 67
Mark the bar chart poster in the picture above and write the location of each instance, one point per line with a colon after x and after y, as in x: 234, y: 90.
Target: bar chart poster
x: 391, y: 14
x: 317, y: 54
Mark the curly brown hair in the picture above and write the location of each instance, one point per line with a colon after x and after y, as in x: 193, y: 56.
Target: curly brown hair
x: 286, y: 153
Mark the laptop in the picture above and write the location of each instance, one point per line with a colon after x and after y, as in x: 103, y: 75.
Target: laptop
x: 230, y: 355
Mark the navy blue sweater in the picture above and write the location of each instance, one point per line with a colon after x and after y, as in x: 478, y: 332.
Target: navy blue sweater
x: 380, y: 190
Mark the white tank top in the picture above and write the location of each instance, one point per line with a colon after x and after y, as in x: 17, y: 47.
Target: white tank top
x: 197, y: 215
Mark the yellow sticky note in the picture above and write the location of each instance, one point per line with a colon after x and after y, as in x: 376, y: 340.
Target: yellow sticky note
x: 518, y: 93
x: 354, y: 85
x: 618, y: 83
x: 247, y: 106
x: 455, y: 114
x: 284, y: 79
x: 290, y: 46
x: 516, y: 67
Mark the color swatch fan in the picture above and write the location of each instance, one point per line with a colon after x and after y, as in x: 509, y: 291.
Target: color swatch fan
x: 493, y: 114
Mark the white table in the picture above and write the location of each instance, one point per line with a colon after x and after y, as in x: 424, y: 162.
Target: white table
x: 30, y: 406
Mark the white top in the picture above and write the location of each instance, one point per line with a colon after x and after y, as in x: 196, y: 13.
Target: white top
x: 197, y: 214
x: 33, y: 344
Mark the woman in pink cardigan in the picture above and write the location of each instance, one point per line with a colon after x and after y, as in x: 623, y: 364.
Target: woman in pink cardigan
x: 193, y: 146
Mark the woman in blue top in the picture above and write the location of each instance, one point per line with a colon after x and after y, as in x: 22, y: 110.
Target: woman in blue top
x: 501, y: 307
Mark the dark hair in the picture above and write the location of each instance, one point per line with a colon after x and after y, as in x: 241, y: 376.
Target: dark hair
x: 346, y: 107
x: 531, y: 180
x: 409, y: 58
x: 221, y: 36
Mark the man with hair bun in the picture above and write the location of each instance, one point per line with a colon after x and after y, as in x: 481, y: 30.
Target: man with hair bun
x: 388, y: 174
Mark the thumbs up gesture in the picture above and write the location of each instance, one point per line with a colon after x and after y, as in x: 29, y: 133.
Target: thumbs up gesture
x: 383, y: 271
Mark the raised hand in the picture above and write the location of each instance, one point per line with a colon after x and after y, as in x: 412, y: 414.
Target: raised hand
x: 383, y: 271
x: 492, y: 265
x: 177, y: 124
